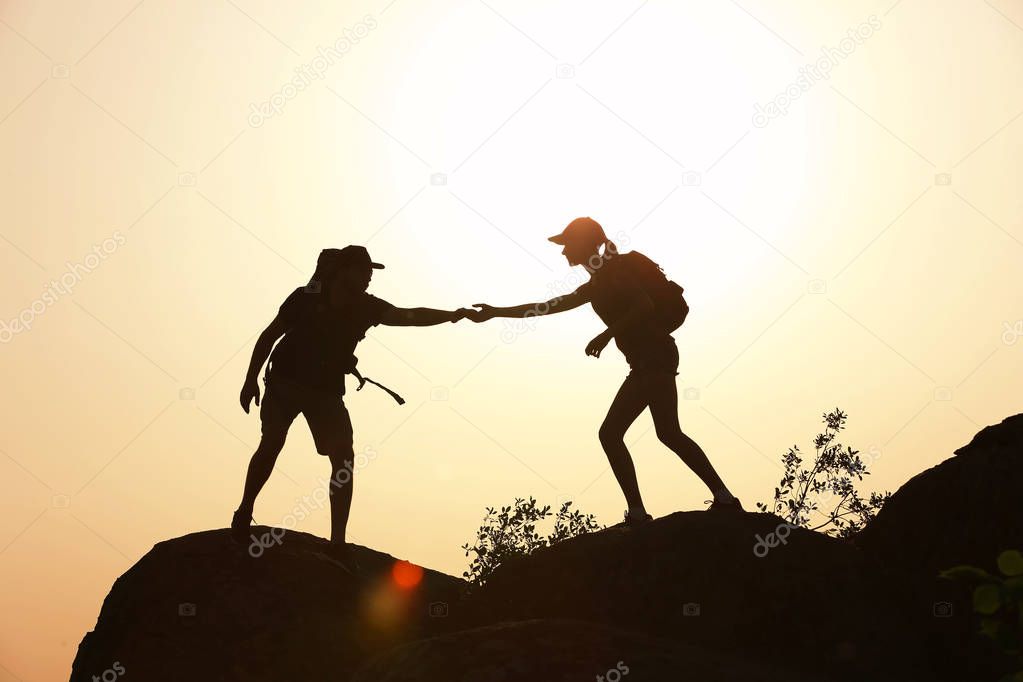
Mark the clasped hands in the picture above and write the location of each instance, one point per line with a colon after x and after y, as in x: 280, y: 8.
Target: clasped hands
x: 481, y: 312
x: 484, y: 313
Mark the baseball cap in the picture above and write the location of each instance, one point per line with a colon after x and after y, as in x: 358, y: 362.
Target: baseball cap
x: 580, y: 230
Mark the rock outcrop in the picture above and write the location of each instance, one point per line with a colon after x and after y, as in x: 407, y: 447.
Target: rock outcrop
x: 965, y: 510
x: 560, y: 651
x: 202, y: 607
x: 692, y: 596
x: 711, y: 579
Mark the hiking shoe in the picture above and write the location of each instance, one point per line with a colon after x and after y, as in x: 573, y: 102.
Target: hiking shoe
x: 632, y: 522
x: 240, y: 526
x: 341, y: 553
x: 734, y: 505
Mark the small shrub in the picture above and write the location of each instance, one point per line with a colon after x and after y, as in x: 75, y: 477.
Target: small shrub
x: 802, y: 491
x: 511, y: 532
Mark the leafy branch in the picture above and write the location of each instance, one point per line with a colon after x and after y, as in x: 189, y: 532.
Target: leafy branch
x: 802, y: 491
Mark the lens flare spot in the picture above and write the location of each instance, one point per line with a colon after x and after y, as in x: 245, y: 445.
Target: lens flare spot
x: 406, y: 575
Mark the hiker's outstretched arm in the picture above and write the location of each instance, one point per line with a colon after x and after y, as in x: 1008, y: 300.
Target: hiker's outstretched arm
x: 261, y: 351
x: 559, y: 304
x: 420, y: 317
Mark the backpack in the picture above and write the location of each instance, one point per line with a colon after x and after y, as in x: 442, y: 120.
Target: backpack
x: 670, y: 307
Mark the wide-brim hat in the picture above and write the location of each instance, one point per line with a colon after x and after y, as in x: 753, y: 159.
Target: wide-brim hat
x: 349, y: 255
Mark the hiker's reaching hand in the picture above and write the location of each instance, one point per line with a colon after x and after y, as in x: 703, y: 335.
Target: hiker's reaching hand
x: 461, y: 314
x: 598, y: 343
x: 250, y: 391
x: 484, y: 313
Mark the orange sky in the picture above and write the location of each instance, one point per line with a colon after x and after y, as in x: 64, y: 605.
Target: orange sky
x: 860, y: 245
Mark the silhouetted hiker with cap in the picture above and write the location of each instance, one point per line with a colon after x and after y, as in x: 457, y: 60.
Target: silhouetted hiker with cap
x: 321, y: 324
x: 641, y: 308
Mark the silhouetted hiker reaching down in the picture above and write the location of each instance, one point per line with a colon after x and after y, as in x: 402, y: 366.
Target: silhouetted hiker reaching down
x: 321, y: 324
x: 640, y: 308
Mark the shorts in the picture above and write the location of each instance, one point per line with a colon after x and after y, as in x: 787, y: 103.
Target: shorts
x: 656, y: 356
x: 324, y: 412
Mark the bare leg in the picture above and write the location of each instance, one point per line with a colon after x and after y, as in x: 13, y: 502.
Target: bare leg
x: 663, y: 396
x: 260, y: 467
x: 341, y: 488
x: 625, y: 408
